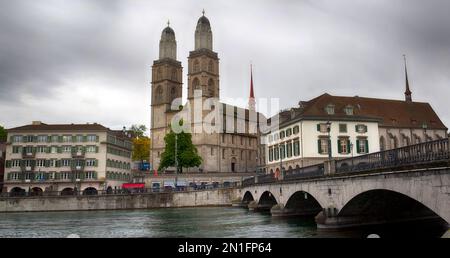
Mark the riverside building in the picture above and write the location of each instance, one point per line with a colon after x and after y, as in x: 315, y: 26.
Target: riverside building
x: 66, y: 158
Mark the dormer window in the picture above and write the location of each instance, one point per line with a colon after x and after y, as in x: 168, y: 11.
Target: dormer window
x: 348, y: 110
x: 330, y: 109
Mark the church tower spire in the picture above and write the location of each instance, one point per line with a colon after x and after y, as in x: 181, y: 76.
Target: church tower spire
x: 251, y: 99
x: 203, y: 63
x: 408, y: 92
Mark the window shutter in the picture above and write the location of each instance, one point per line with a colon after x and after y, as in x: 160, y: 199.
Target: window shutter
x: 58, y: 163
x: 319, y: 146
x: 356, y: 128
x: 357, y: 146
x: 318, y: 127
x: 74, y: 138
x: 96, y: 163
x: 59, y: 149
x: 8, y: 164
x: 339, y: 146
x: 84, y: 138
x: 60, y: 138
x: 367, y: 146
x: 96, y: 149
x: 348, y: 146
x: 365, y: 128
x: 47, y: 149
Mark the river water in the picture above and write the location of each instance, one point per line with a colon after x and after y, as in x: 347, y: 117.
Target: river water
x: 209, y: 222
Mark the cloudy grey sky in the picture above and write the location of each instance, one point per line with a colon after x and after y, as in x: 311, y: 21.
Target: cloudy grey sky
x: 78, y: 61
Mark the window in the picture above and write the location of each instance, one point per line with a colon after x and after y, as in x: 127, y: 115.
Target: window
x: 66, y: 162
x: 91, y: 149
x: 276, y: 153
x: 288, y: 132
x: 344, y: 146
x: 289, y: 149
x: 276, y: 137
x: 330, y: 109
x: 283, y: 151
x: 66, y: 148
x: 362, y: 145
x: 342, y: 128
x: 361, y: 128
x: 282, y: 134
x: 348, y: 110
x: 296, y: 129
x: 53, y: 149
x: 16, y: 149
x: 17, y: 138
x: 92, y: 138
x: 89, y: 175
x: 41, y: 149
x: 80, y: 138
x: 42, y: 138
x: 15, y: 163
x: 323, y: 145
x: 66, y: 138
x: 196, y: 66
x: 296, y: 147
x: 91, y: 162
x: 55, y: 138
x: 270, y: 154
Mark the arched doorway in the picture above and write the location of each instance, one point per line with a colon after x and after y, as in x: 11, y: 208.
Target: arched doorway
x: 36, y: 191
x: 67, y: 191
x: 233, y: 165
x: 109, y: 190
x: 90, y: 191
x: 17, y: 191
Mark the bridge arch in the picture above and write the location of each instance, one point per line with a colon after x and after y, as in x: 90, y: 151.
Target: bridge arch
x: 387, y: 203
x: 303, y: 203
x: 267, y: 199
x: 379, y: 205
x: 248, y: 197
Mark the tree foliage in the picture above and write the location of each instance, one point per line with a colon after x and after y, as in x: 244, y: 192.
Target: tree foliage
x: 138, y: 131
x: 3, y: 134
x: 141, y: 148
x: 187, y: 154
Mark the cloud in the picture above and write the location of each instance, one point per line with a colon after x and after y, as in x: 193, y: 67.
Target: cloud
x: 92, y: 59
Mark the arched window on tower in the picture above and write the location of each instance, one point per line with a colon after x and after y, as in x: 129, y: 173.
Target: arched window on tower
x: 211, y: 66
x: 196, y: 66
x: 195, y: 85
x: 211, y: 89
x: 159, y: 93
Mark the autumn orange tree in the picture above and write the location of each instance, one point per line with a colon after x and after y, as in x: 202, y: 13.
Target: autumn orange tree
x: 141, y: 149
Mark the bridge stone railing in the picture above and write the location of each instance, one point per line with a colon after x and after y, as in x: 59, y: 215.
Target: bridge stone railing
x: 422, y: 154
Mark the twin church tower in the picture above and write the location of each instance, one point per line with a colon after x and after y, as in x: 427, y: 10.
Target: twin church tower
x: 218, y: 150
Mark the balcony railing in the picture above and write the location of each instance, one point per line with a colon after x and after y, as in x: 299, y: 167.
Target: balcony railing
x: 28, y: 154
x: 78, y: 154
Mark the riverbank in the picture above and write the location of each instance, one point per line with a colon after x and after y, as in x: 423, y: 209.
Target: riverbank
x: 203, y: 198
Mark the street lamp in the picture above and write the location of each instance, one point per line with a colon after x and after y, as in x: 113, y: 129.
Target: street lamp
x: 329, y: 139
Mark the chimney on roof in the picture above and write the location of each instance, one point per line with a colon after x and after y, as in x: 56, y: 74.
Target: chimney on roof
x: 36, y: 123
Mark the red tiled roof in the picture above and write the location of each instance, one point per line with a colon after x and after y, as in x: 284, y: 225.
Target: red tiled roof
x: 393, y: 113
x: 59, y: 127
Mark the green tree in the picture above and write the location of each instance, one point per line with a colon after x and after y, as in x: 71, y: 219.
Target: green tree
x: 3, y: 134
x: 141, y: 149
x: 138, y: 130
x: 187, y: 154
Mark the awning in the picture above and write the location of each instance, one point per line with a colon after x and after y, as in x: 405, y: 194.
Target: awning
x: 131, y: 185
x: 169, y: 183
x: 181, y: 183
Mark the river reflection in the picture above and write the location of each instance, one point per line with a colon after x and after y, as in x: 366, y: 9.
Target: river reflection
x: 210, y: 222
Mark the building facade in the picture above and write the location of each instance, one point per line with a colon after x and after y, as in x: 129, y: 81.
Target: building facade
x: 66, y: 158
x: 223, y: 150
x: 357, y: 126
x: 2, y: 163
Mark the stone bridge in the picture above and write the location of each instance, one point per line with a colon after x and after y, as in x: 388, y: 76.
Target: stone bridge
x: 350, y: 200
